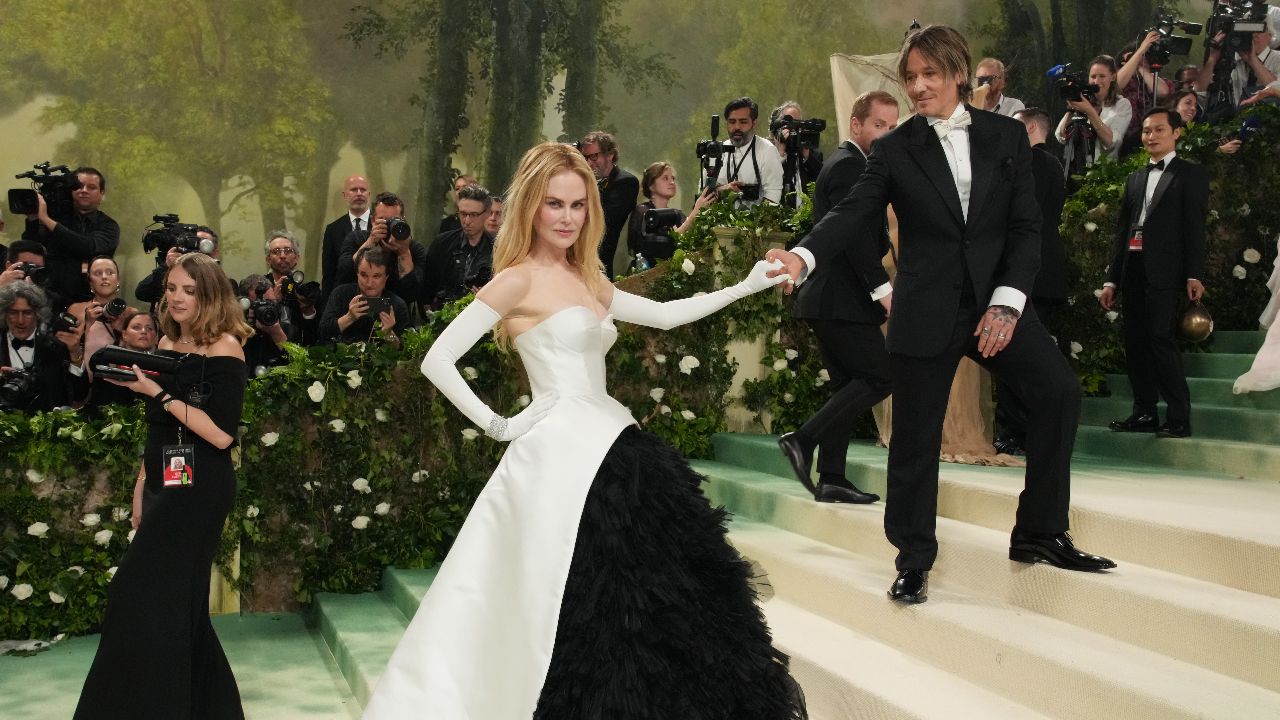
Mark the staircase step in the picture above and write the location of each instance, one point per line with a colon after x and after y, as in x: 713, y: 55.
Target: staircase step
x: 1216, y: 365
x: 1237, y: 341
x: 1193, y: 454
x: 1183, y: 618
x: 1207, y: 391
x: 362, y: 631
x: 846, y: 674
x: 1042, y: 663
x: 404, y: 588
x: 1207, y: 421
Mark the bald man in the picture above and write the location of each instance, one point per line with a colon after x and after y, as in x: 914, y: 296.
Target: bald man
x: 355, y: 193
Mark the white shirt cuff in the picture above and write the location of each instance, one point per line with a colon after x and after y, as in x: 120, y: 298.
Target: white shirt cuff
x: 1012, y: 297
x: 809, y: 263
x: 1109, y: 284
x: 75, y: 370
x: 881, y: 291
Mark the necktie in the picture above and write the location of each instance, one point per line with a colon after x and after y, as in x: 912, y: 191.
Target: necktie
x: 1155, y: 166
x: 944, y: 127
x: 356, y: 225
x: 19, y: 344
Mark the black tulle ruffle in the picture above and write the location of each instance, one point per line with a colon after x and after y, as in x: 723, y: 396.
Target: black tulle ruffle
x: 659, y: 619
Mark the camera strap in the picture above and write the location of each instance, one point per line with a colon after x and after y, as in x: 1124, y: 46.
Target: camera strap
x: 734, y: 170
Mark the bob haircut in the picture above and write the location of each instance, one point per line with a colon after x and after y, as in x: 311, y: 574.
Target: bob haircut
x: 218, y: 312
x: 945, y: 48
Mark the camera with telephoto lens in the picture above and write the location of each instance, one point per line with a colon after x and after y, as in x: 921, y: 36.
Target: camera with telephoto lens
x: 37, y: 274
x: 294, y: 286
x: 800, y: 134
x: 114, y: 309
x: 1239, y: 20
x: 398, y: 228
x: 1072, y: 86
x: 261, y: 310
x: 1168, y: 45
x: 174, y: 234
x: 55, y: 182
x: 63, y: 322
x: 17, y: 389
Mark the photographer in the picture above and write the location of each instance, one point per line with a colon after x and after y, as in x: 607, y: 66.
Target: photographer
x: 461, y: 261
x: 992, y: 72
x: 753, y: 168
x: 74, y: 237
x: 389, y: 231
x: 659, y: 185
x: 151, y: 288
x: 1142, y: 87
x: 298, y: 298
x: 269, y: 319
x: 24, y: 260
x: 36, y: 371
x: 1255, y: 66
x: 494, y: 222
x: 1107, y: 114
x: 347, y: 317
x: 618, y: 190
x: 809, y: 163
x: 449, y: 223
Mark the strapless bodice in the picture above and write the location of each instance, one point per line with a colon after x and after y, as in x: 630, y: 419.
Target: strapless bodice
x: 565, y: 352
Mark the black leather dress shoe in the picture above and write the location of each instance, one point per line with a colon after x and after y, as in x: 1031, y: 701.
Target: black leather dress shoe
x: 831, y: 493
x: 1174, y: 430
x: 1136, y: 423
x: 1056, y: 550
x: 1008, y: 446
x: 911, y: 586
x: 801, y: 460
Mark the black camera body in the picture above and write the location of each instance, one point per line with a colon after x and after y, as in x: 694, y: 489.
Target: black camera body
x: 266, y: 312
x: 800, y: 134
x: 55, y: 182
x: 711, y: 154
x: 1239, y: 20
x: 1163, y: 50
x: 114, y: 309
x: 64, y: 322
x: 1073, y: 87
x: 294, y: 286
x: 17, y: 389
x: 117, y: 363
x: 398, y: 228
x: 37, y: 274
x: 174, y: 234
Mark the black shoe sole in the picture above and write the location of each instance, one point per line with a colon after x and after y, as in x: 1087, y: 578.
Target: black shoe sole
x: 907, y: 599
x: 872, y: 501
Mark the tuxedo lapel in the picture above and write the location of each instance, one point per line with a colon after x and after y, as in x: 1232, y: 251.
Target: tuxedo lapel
x: 1166, y: 179
x: 926, y: 149
x: 983, y: 158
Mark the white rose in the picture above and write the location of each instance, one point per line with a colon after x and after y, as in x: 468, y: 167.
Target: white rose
x: 657, y: 394
x: 419, y: 475
x: 360, y: 522
x: 111, y: 571
x: 687, y: 266
x: 91, y: 520
x: 1112, y: 315
x: 338, y: 425
x: 664, y: 410
x: 22, y: 592
x: 307, y: 486
x: 791, y: 354
x: 660, y: 358
x: 780, y: 364
x: 788, y: 397
x: 1245, y: 210
x: 102, y: 537
x: 361, y: 485
x: 132, y: 532
x: 1239, y: 272
x: 337, y: 508
x: 270, y: 438
x: 1252, y: 256
x: 4, y: 581
x: 523, y: 401
x: 1213, y: 214
x: 76, y: 569
x: 1091, y: 227
x: 382, y: 508
x: 824, y: 375
x: 470, y: 434
x: 38, y: 529
x: 120, y: 514
x: 381, y: 415
x: 688, y: 363
x: 1097, y: 293
x: 34, y: 477
x: 687, y: 414
x: 56, y: 598
x: 252, y: 511
x: 470, y: 373
x: 1076, y: 349
x: 354, y: 379
x: 316, y: 391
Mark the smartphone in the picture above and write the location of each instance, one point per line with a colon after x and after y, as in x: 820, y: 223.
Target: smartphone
x: 377, y: 305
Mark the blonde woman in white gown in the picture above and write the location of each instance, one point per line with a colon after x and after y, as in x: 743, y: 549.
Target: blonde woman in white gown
x: 1265, y: 372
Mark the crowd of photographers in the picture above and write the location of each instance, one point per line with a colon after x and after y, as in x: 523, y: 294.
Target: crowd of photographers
x: 60, y: 289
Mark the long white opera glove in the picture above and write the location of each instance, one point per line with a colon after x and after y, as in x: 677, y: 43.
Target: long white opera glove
x: 666, y: 315
x: 441, y: 368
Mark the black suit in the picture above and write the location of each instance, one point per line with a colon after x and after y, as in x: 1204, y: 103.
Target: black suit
x: 1152, y: 281
x: 618, y: 196
x: 55, y: 386
x: 335, y: 234
x: 836, y: 303
x: 948, y: 268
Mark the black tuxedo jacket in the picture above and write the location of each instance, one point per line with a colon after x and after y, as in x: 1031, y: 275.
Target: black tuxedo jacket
x: 618, y: 196
x: 1051, y: 194
x: 55, y: 385
x: 335, y: 233
x: 836, y: 291
x: 938, y: 251
x: 1173, y: 234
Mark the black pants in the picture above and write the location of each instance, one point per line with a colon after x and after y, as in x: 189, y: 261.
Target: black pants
x: 854, y: 356
x: 1038, y: 373
x: 1151, y: 345
x: 1011, y: 411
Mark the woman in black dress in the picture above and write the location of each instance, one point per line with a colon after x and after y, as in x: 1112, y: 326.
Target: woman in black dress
x: 159, y: 657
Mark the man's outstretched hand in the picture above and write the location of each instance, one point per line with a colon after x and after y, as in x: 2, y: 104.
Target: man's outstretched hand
x: 792, y: 265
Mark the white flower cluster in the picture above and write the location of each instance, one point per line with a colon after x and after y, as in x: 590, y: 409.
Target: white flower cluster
x: 688, y: 363
x: 361, y: 485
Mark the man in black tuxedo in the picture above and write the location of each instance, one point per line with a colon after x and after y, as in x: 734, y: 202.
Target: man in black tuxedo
x: 35, y: 368
x: 1158, y: 252
x: 618, y: 190
x: 355, y: 191
x: 1049, y: 293
x: 968, y: 249
x: 836, y: 303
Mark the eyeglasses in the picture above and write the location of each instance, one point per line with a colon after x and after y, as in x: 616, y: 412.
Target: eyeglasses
x: 471, y: 215
x: 282, y: 251
x: 593, y: 156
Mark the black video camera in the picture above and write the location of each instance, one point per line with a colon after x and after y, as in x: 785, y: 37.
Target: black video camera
x: 711, y: 154
x: 1163, y: 50
x: 174, y: 234
x: 800, y: 134
x: 55, y: 183
x: 1239, y: 20
x: 1072, y: 86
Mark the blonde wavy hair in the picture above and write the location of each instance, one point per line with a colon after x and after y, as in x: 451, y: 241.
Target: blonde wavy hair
x: 217, y: 313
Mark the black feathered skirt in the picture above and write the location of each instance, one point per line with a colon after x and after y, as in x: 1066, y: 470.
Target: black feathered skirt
x: 659, y: 618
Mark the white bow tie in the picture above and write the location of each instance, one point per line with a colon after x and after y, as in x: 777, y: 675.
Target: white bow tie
x: 942, y: 127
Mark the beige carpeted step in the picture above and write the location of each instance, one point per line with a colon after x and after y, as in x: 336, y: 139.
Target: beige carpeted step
x: 1039, y: 662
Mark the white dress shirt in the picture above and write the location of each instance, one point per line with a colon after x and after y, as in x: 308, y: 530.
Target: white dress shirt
x: 23, y: 358
x: 739, y: 162
x: 364, y: 220
x: 1008, y: 106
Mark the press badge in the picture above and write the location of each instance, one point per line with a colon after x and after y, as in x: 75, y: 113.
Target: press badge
x: 179, y: 465
x: 1135, y: 241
